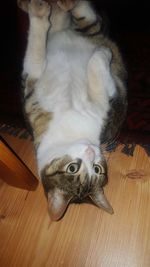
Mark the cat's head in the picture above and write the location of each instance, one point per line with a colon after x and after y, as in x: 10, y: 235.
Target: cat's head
x: 75, y: 177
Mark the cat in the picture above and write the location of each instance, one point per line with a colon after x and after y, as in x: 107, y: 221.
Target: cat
x: 74, y: 99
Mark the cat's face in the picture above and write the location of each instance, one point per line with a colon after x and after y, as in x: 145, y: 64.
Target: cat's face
x: 77, y: 176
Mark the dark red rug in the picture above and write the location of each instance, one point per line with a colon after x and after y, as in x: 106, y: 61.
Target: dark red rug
x: 136, y: 129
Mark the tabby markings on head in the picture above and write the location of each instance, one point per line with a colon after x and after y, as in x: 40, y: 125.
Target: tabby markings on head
x: 65, y: 180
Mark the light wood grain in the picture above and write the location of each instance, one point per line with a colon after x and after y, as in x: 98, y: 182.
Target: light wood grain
x: 86, y: 236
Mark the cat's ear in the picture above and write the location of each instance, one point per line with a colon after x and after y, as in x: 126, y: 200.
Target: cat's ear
x: 23, y: 4
x: 101, y: 201
x: 57, y: 204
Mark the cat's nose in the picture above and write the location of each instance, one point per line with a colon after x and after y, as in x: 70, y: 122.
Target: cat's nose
x: 90, y: 153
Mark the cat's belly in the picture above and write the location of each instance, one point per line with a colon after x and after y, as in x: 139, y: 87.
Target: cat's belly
x: 65, y: 74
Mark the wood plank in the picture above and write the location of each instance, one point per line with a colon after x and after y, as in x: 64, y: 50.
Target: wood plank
x: 86, y: 236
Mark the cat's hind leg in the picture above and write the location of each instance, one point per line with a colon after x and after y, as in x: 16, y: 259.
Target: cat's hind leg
x: 101, y: 82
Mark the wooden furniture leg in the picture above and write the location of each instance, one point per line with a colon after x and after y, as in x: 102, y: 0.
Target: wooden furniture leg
x: 13, y: 171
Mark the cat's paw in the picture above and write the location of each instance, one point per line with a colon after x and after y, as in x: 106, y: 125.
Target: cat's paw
x: 66, y: 5
x: 23, y: 4
x: 39, y: 8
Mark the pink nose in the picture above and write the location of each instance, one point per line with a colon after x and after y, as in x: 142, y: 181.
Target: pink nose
x: 90, y: 153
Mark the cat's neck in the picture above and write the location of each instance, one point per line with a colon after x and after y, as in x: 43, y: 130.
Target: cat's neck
x: 55, y: 150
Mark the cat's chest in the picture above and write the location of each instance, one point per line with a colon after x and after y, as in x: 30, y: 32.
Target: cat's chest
x: 78, y: 122
x: 73, y: 125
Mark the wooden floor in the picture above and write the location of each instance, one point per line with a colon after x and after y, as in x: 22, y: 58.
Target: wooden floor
x: 86, y: 236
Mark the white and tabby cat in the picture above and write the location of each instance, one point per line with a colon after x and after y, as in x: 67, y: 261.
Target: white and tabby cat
x: 75, y: 98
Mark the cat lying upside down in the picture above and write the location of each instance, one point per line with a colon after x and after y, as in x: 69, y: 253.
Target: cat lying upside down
x: 75, y: 99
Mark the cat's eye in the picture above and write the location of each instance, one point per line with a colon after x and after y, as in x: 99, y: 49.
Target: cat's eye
x: 73, y: 168
x: 98, y: 169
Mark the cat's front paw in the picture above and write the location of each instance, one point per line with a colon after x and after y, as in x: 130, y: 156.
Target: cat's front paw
x: 66, y: 5
x: 23, y: 4
x: 39, y: 8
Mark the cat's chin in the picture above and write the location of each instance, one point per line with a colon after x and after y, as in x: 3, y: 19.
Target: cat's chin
x: 84, y: 149
x: 83, y: 141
